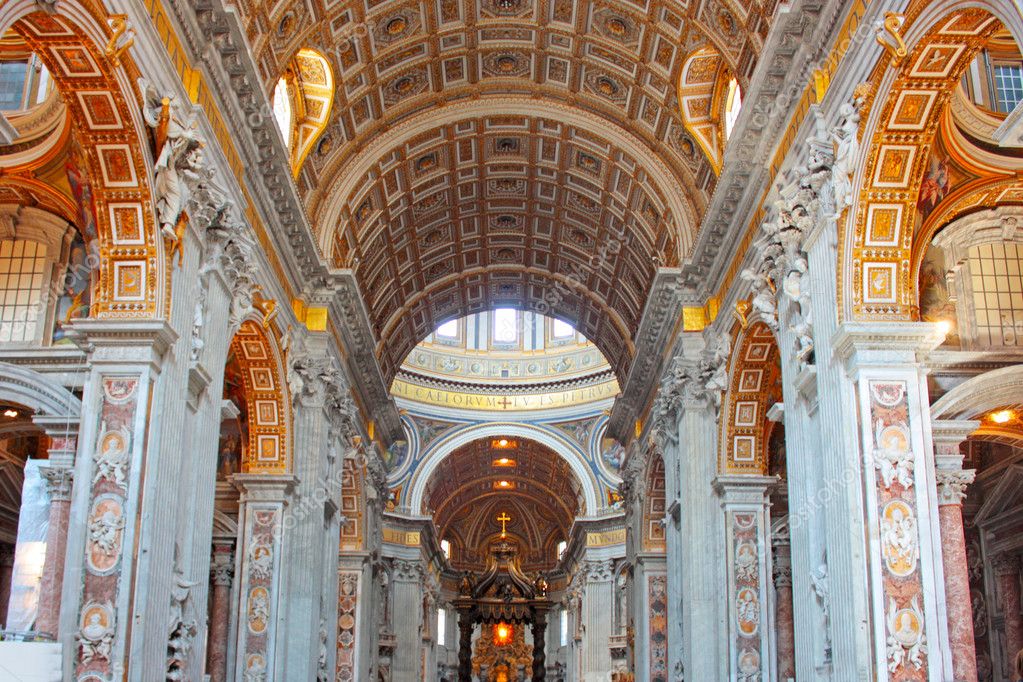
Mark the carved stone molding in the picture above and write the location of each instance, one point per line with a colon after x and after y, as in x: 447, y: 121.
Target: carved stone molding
x: 1005, y: 564
x: 222, y: 565
x: 59, y: 482
x: 952, y: 484
x: 407, y: 571
x: 598, y: 571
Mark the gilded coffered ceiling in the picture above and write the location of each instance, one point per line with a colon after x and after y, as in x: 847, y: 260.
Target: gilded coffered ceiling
x: 466, y: 495
x: 506, y: 152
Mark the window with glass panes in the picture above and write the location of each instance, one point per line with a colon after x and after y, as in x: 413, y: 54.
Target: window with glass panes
x: 1009, y: 83
x: 996, y: 277
x: 22, y: 266
x: 12, y: 85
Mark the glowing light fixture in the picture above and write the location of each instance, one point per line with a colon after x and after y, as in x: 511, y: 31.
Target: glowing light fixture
x: 502, y: 634
x: 504, y: 484
x: 1001, y: 417
x: 11, y: 413
x: 944, y: 327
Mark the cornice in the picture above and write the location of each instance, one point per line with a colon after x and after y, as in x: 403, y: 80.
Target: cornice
x: 348, y: 309
x: 505, y: 389
x: 780, y: 78
x: 884, y: 342
x: 213, y: 33
x: 663, y: 308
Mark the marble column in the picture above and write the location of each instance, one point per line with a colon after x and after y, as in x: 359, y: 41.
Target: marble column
x: 952, y: 481
x: 704, y: 628
x: 315, y: 450
x: 221, y: 578
x: 6, y: 577
x: 58, y: 483
x: 597, y: 616
x: 785, y: 638
x: 746, y: 504
x: 1006, y: 570
x: 406, y: 618
x: 258, y: 566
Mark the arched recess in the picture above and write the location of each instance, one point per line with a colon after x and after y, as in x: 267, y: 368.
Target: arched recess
x: 753, y: 388
x: 654, y: 506
x: 37, y: 392
x: 268, y: 403
x: 877, y: 238
x: 310, y: 82
x: 983, y: 393
x: 109, y: 167
x: 700, y: 93
x: 565, y: 448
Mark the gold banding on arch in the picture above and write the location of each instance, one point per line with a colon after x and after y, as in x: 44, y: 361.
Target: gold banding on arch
x: 881, y: 280
x: 752, y: 391
x: 266, y: 397
x: 107, y: 169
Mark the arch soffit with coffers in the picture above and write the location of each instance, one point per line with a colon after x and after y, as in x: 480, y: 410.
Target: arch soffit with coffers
x: 104, y: 105
x: 267, y: 397
x: 439, y: 450
x: 754, y: 369
x: 326, y: 205
x: 401, y: 320
x: 906, y: 104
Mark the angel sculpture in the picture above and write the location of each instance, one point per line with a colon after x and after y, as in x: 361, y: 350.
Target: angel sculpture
x: 178, y: 164
x: 764, y: 299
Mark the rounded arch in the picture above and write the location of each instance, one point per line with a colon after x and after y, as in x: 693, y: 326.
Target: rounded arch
x: 310, y: 81
x: 109, y: 163
x: 45, y: 397
x: 877, y: 237
x: 755, y: 369
x: 566, y: 449
x: 980, y: 394
x: 698, y: 90
x: 654, y: 505
x: 267, y: 398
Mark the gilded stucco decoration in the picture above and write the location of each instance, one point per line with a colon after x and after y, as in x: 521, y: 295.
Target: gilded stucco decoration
x: 880, y: 284
x: 475, y: 211
x: 268, y: 407
x: 115, y: 193
x: 754, y: 388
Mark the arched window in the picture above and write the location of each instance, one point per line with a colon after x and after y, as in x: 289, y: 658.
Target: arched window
x: 733, y: 103
x: 994, y: 80
x: 22, y: 275
x: 982, y: 289
x: 282, y: 111
x: 302, y: 102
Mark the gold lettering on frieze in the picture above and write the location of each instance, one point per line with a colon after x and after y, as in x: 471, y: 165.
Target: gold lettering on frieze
x: 480, y: 401
x: 606, y: 538
x: 408, y: 538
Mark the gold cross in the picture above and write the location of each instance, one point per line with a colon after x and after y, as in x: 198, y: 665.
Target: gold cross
x: 503, y: 518
x: 504, y: 402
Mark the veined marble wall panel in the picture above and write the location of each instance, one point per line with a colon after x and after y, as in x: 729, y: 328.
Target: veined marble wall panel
x: 101, y: 638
